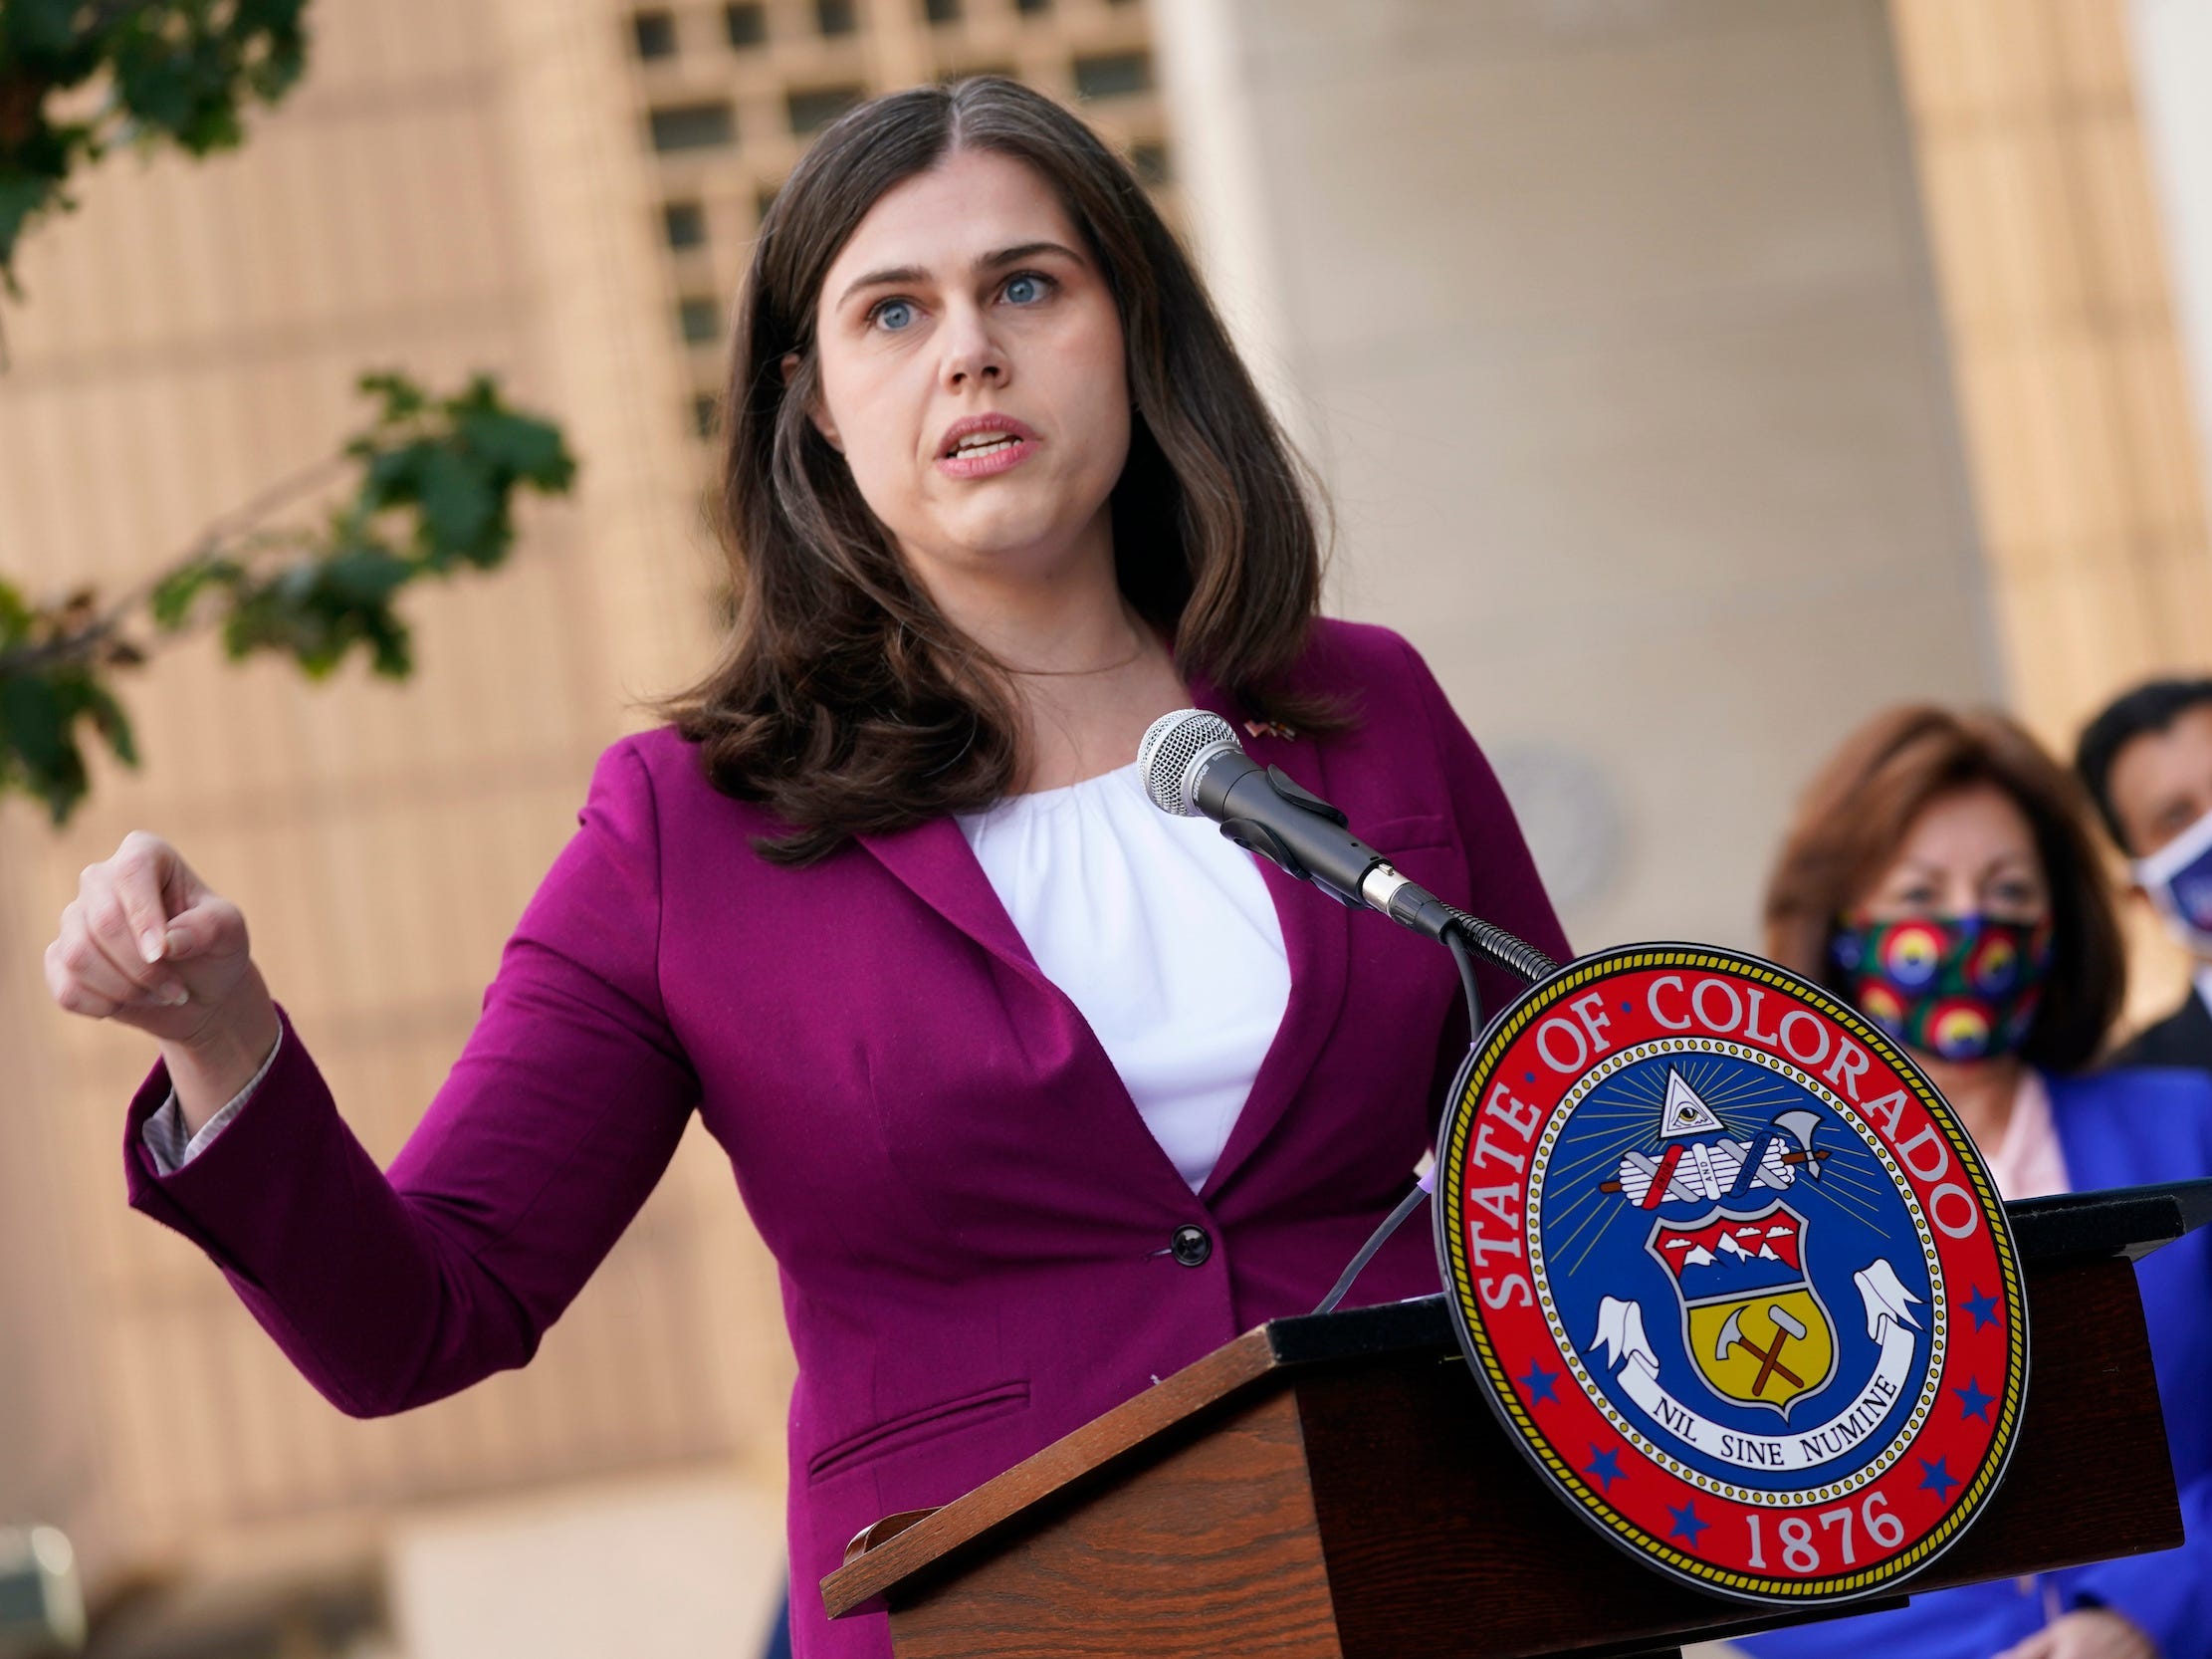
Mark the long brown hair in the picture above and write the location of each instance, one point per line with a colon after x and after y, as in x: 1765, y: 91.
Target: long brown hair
x: 1857, y: 812
x: 843, y: 699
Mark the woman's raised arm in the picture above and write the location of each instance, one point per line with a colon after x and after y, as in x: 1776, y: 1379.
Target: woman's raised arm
x: 388, y: 1290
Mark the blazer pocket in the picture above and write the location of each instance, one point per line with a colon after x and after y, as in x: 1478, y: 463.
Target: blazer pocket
x: 1420, y: 847
x: 1394, y: 835
x: 913, y: 1428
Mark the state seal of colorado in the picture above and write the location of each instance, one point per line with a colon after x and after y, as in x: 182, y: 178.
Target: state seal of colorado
x: 1732, y: 1274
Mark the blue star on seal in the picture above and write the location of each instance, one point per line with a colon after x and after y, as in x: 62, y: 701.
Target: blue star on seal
x: 1937, y: 1477
x: 1686, y: 1525
x: 1604, y: 1468
x: 1539, y: 1383
x: 1982, y: 1306
x: 1972, y: 1401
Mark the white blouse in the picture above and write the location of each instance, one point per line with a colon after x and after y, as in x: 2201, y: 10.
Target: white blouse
x: 1162, y: 935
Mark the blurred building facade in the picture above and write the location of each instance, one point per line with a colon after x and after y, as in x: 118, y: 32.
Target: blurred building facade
x: 1691, y: 376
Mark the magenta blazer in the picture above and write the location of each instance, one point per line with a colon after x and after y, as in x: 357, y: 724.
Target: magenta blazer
x: 972, y: 1222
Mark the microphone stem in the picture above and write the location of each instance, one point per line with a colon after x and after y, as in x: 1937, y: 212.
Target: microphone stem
x: 1494, y: 945
x: 1453, y: 943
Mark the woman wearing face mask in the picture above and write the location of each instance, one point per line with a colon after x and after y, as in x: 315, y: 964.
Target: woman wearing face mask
x: 1035, y: 1092
x: 1942, y: 876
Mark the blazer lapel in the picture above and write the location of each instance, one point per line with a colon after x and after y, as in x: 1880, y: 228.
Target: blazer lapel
x: 935, y: 862
x: 934, y: 859
x: 1316, y: 937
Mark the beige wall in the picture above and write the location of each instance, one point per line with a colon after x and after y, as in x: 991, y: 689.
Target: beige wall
x: 1614, y: 331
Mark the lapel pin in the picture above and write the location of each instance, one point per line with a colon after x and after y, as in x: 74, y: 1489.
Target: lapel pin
x: 1271, y: 728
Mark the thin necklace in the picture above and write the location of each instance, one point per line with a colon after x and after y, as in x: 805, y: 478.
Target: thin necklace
x: 1103, y: 668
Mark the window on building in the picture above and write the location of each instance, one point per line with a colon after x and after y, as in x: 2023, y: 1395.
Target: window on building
x: 746, y: 25
x: 705, y: 408
x: 684, y: 223
x: 653, y: 34
x: 1113, y: 74
x: 762, y: 199
x: 941, y: 11
x: 1149, y: 160
x: 699, y: 319
x: 694, y: 127
x: 815, y: 108
x: 835, y: 17
x: 1033, y: 8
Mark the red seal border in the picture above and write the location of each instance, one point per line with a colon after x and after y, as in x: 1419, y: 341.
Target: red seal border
x: 1453, y: 1135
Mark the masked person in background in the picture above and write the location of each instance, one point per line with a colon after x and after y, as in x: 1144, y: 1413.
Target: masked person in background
x: 1942, y: 876
x: 2147, y: 764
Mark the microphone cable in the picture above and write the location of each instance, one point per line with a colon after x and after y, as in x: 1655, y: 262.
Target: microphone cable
x: 1514, y: 955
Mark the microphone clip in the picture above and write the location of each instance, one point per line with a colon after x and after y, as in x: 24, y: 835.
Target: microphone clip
x: 1256, y: 837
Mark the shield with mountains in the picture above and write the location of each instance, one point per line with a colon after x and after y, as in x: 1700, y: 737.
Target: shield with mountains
x: 1756, y: 1329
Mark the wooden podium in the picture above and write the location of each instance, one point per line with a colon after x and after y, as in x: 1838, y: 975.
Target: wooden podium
x: 1335, y: 1486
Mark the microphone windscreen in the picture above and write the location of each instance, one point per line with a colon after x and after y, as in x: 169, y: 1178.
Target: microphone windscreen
x: 1175, y: 751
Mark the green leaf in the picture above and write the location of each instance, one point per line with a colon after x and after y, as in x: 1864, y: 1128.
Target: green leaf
x: 460, y: 506
x: 33, y: 721
x: 392, y: 645
x: 22, y: 195
x: 112, y: 723
x: 402, y: 398
x: 520, y: 445
x: 36, y: 29
x: 366, y: 574
x: 15, y: 615
x: 171, y: 600
x: 35, y: 732
x: 391, y: 478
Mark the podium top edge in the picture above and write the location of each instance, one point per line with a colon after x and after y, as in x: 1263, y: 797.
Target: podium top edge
x: 2129, y: 1222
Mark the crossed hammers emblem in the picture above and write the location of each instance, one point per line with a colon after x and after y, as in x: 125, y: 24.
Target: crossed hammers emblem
x: 1770, y: 1358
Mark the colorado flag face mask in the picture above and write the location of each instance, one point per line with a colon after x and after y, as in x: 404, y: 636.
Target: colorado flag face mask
x: 2178, y: 878
x: 1964, y: 988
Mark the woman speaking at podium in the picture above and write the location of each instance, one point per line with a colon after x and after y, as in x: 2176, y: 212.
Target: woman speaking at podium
x: 1035, y: 1092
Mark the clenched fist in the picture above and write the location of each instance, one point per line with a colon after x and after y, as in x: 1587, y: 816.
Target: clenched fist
x: 145, y: 942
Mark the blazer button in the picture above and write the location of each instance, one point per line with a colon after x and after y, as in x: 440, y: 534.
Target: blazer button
x: 1191, y: 1246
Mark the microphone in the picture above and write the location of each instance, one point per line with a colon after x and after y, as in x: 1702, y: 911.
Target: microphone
x: 1192, y: 765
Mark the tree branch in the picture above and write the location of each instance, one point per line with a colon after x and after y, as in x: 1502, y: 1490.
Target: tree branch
x: 83, y: 641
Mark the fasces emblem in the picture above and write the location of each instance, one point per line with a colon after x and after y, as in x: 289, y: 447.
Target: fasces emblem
x: 1731, y: 1273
